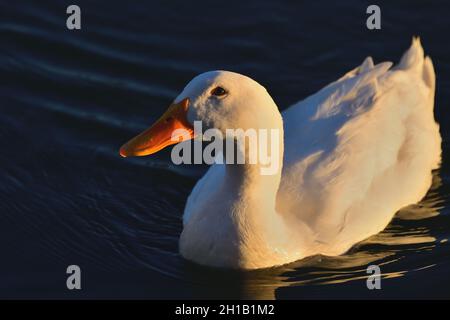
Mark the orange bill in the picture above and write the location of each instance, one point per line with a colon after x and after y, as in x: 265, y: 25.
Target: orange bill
x: 164, y: 132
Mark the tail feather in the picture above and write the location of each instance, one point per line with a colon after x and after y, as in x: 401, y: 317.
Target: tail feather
x: 413, y: 58
x: 366, y: 65
x: 428, y: 73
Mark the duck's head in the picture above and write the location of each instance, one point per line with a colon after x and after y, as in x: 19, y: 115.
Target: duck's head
x: 219, y: 99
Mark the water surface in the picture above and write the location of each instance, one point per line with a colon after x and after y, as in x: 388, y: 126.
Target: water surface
x: 69, y: 99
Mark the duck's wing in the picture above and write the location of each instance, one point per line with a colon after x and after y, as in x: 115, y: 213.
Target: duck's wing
x: 360, y: 149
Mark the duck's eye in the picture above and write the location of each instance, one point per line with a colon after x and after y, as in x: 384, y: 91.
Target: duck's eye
x: 218, y: 92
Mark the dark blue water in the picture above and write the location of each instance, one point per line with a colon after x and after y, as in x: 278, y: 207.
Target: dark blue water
x: 69, y: 99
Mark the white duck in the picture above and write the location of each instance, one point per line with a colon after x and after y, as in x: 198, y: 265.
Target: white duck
x: 354, y: 153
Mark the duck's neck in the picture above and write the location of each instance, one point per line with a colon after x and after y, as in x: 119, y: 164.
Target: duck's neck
x: 246, y: 181
x: 252, y: 187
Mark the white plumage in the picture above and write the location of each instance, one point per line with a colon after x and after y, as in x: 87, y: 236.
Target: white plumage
x: 354, y: 153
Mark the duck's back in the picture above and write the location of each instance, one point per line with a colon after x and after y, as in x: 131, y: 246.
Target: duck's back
x: 360, y: 149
